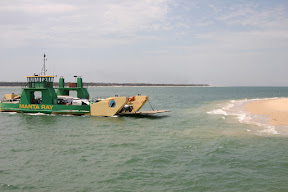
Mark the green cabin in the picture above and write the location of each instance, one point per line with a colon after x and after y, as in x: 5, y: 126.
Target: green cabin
x: 82, y: 93
x: 43, y: 84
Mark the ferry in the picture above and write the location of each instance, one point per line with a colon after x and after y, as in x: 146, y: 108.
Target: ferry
x: 58, y: 100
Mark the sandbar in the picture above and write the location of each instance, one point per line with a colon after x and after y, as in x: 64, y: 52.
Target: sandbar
x: 275, y: 109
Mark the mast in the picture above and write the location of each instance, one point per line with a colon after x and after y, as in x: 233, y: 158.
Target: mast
x: 44, y: 69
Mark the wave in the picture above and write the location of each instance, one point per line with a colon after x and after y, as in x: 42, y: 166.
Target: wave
x: 12, y: 113
x: 45, y: 114
x: 236, y: 108
x: 37, y: 114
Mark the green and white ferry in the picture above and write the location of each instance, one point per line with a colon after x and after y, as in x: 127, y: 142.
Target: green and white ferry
x: 58, y: 100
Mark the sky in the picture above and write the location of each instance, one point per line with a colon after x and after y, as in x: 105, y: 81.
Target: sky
x: 216, y: 42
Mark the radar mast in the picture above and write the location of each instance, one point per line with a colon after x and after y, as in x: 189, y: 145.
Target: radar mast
x: 43, y: 72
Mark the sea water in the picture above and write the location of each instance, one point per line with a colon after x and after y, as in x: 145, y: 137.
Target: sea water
x: 206, y: 143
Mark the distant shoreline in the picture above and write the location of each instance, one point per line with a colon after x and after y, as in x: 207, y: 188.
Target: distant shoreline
x: 23, y: 84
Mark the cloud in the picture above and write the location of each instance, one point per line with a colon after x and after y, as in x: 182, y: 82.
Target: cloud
x: 237, y: 27
x: 112, y: 23
x: 255, y: 17
x: 245, y: 41
x: 134, y: 16
x: 80, y: 25
x: 201, y: 40
x: 38, y: 8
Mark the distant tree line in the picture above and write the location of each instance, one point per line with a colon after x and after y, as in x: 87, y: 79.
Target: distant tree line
x: 12, y: 84
x: 23, y: 84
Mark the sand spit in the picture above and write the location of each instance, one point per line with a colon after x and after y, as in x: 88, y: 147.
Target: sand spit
x: 275, y: 109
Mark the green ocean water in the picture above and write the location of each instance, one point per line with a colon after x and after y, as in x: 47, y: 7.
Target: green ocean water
x: 201, y: 145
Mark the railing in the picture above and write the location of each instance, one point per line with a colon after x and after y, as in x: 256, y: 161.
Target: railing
x: 35, y: 85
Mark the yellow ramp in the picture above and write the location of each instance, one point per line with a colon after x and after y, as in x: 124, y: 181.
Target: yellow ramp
x: 137, y: 102
x: 108, y: 107
x: 11, y: 96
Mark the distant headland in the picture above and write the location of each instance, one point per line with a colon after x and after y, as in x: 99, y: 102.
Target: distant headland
x: 23, y: 84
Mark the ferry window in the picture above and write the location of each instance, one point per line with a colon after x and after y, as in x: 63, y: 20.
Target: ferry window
x: 37, y: 97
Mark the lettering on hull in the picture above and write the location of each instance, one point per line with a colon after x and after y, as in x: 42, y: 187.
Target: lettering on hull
x: 35, y: 107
